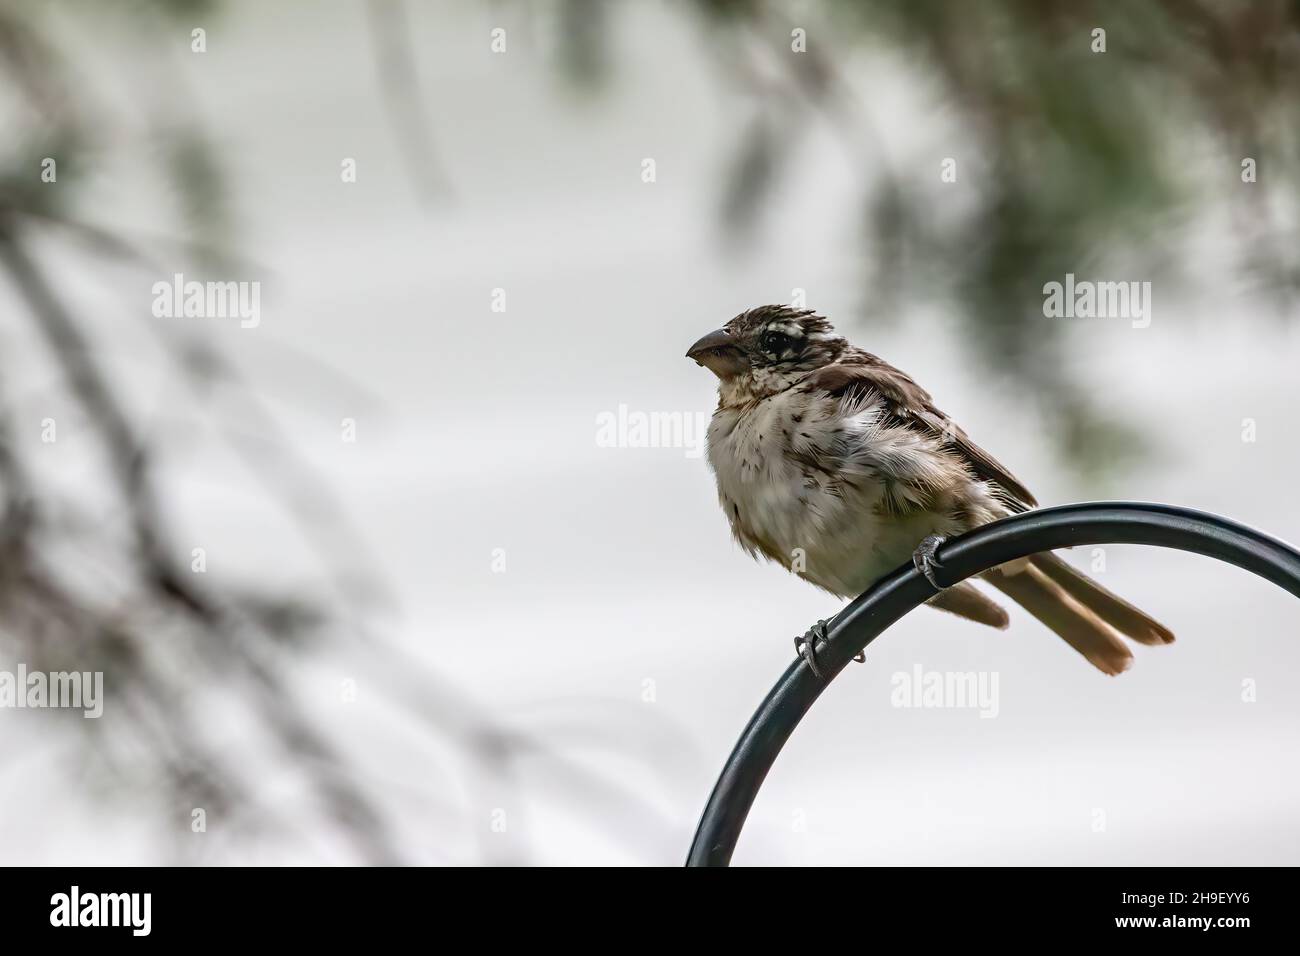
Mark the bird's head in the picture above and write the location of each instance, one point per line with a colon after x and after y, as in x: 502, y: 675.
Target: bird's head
x: 766, y: 350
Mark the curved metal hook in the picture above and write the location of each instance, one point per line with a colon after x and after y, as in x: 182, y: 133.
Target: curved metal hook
x: 855, y: 627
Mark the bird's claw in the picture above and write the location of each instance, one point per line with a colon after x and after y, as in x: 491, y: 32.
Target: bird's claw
x: 806, y: 647
x: 925, y: 561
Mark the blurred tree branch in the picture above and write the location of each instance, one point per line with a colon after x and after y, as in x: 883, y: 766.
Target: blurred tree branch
x: 160, y: 638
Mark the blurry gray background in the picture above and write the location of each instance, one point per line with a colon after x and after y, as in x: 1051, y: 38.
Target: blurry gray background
x: 372, y: 688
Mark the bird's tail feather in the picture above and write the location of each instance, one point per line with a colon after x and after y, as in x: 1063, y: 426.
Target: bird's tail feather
x: 968, y: 601
x: 1110, y: 607
x: 1082, y: 612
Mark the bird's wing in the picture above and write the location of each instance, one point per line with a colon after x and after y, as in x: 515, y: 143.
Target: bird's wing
x: 861, y: 373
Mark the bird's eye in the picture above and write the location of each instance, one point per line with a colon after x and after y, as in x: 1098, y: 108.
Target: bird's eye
x: 774, y: 343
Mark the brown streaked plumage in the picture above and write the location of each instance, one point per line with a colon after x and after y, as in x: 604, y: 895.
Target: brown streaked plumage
x: 837, y: 465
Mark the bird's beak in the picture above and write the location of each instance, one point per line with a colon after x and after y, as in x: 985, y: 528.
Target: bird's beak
x: 719, y: 353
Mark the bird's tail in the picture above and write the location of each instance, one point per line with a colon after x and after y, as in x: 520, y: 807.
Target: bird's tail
x: 1089, y: 617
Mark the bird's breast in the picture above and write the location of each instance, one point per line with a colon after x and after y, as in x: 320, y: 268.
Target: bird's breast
x: 789, y: 493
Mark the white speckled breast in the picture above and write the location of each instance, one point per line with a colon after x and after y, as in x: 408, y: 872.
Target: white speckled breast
x: 804, y: 480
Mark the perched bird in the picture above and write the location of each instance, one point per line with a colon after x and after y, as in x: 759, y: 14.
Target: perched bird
x: 839, y: 467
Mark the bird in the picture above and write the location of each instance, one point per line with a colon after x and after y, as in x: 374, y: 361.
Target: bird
x: 840, y: 467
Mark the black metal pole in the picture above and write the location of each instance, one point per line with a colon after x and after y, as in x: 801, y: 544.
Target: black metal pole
x: 987, y: 547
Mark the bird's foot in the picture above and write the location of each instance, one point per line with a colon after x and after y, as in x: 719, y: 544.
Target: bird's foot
x: 925, y: 560
x: 806, y: 646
